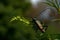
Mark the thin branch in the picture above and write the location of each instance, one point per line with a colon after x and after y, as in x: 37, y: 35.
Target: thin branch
x: 55, y: 20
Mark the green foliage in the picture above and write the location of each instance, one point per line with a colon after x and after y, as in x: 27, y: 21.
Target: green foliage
x: 21, y: 19
x: 19, y: 28
x: 13, y: 24
x: 54, y: 3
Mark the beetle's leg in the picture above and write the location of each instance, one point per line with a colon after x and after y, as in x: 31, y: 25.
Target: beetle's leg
x: 45, y: 27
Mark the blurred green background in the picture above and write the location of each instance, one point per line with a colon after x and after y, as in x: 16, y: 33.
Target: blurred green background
x: 18, y: 30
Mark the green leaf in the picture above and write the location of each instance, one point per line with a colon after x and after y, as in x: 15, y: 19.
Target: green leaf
x: 52, y: 3
x: 56, y: 1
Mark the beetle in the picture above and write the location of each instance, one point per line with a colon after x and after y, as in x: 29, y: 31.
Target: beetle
x: 45, y: 18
